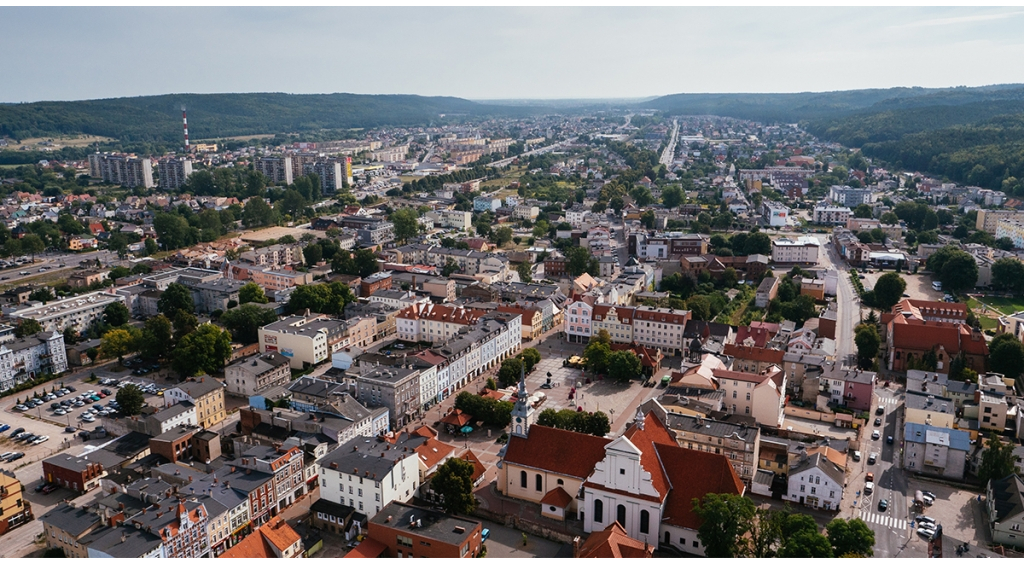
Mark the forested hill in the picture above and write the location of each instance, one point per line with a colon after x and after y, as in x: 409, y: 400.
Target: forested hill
x: 157, y: 119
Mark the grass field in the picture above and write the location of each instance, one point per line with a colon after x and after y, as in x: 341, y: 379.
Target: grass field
x: 60, y: 141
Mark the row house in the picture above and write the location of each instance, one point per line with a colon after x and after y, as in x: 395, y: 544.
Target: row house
x: 659, y: 328
x: 761, y: 396
x: 23, y: 359
x: 285, y: 463
x: 434, y: 323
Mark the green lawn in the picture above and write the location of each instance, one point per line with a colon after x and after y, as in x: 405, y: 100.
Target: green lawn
x: 1005, y: 306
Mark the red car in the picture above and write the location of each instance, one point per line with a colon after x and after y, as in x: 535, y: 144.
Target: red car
x: 50, y: 488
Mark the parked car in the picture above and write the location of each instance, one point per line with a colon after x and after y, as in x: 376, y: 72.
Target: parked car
x: 875, y: 435
x: 872, y: 458
x: 878, y: 421
x: 4, y: 427
x: 15, y: 432
x: 883, y: 505
x: 869, y: 477
x: 868, y: 488
x: 17, y: 456
x: 41, y: 440
x: 925, y: 519
x: 50, y: 488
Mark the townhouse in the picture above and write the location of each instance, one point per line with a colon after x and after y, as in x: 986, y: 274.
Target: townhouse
x: 254, y: 374
x: 206, y: 393
x: 367, y: 475
x: 304, y: 340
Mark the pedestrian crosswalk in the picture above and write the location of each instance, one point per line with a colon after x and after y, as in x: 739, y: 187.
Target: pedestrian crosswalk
x: 887, y: 401
x: 889, y: 522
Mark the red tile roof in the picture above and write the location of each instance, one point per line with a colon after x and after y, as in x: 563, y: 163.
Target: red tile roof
x: 641, y: 314
x: 433, y: 451
x: 547, y: 448
x: 446, y: 314
x: 624, y: 314
x: 478, y: 467
x: 275, y: 534
x: 614, y: 542
x: 369, y: 548
x: 693, y: 474
x: 653, y: 433
x: 557, y: 497
x: 649, y: 357
x: 457, y: 417
x: 756, y: 354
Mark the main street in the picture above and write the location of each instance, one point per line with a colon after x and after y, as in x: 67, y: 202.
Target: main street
x: 848, y: 314
x: 670, y: 150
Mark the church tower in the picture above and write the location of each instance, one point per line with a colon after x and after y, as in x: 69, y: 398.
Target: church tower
x: 523, y: 413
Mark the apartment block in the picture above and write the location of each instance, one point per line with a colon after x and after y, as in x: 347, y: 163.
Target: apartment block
x: 76, y: 312
x: 174, y: 171
x: 126, y: 170
x: 305, y: 341
x: 277, y: 169
x: 803, y: 250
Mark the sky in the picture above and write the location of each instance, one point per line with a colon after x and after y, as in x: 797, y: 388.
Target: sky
x: 500, y: 53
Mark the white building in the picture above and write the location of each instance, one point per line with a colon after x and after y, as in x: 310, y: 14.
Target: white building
x: 173, y: 172
x: 303, y: 340
x: 804, y: 250
x: 761, y: 396
x: 24, y: 359
x: 77, y: 312
x: 817, y: 482
x: 828, y: 214
x: 366, y: 474
x: 774, y: 213
x: 850, y: 197
x: 253, y: 375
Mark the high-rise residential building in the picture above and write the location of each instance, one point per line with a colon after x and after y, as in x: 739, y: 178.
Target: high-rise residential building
x: 277, y: 169
x: 173, y: 172
x: 124, y: 169
x: 330, y: 173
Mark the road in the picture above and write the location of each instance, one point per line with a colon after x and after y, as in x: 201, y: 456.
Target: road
x: 505, y: 162
x: 52, y: 261
x: 891, y: 526
x: 670, y: 151
x: 848, y: 314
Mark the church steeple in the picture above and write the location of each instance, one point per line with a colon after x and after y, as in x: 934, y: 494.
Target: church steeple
x: 522, y: 413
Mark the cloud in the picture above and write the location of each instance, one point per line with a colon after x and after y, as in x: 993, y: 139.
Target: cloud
x: 959, y: 20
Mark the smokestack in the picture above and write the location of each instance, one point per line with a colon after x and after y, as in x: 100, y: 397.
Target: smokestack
x: 184, y: 122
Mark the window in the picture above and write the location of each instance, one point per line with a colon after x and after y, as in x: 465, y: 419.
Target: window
x: 734, y: 394
x: 748, y: 396
x: 645, y: 521
x: 522, y: 478
x: 560, y: 482
x: 622, y: 471
x: 539, y: 482
x: 598, y: 511
x: 802, y: 488
x: 620, y: 514
x: 813, y: 490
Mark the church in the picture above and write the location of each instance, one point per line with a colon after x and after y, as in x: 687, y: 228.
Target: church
x: 641, y: 480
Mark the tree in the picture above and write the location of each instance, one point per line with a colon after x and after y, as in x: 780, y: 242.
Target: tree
x: 173, y: 231
x: 757, y: 244
x: 151, y: 247
x: 579, y: 261
x: 43, y: 294
x: 27, y: 327
x: 203, y: 351
x: 32, y: 244
x: 863, y: 211
x: 530, y: 358
x: 623, y: 366
x: 157, y: 337
x: 454, y: 483
x: 725, y: 519
x: 997, y: 460
x: 184, y: 323
x: 1006, y: 355
x: 700, y: 307
x: 257, y: 213
x: 501, y: 236
x: 313, y: 254
x: 245, y: 321
x: 176, y: 298
x: 116, y: 314
x: 956, y: 269
x: 130, y: 400
x: 806, y: 544
x: 597, y: 354
x: 365, y: 262
x: 252, y: 292
x: 321, y: 298
x: 450, y: 267
x: 406, y: 222
x: 525, y: 272
x: 510, y: 371
x: 116, y: 343
x: 868, y: 341
x: 765, y: 533
x: 672, y: 196
x: 889, y: 218
x: 1008, y: 274
x: 889, y: 290
x: 852, y: 537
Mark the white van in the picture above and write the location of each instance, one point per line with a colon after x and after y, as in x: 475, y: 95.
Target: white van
x: 937, y: 286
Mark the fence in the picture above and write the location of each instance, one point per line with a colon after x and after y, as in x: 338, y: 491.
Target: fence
x: 810, y: 414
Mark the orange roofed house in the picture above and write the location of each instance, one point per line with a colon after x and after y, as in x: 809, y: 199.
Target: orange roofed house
x: 916, y: 328
x: 613, y: 542
x: 275, y: 539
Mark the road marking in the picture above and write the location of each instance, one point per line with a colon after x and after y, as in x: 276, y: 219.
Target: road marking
x: 895, y: 524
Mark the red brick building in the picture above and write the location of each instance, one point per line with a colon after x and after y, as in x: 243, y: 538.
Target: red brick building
x: 77, y: 473
x: 405, y: 531
x: 554, y: 267
x: 374, y: 282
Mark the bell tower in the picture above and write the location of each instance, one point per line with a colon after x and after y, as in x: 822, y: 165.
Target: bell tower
x: 523, y: 413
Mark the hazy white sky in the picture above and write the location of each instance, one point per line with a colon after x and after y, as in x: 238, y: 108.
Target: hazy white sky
x: 488, y: 53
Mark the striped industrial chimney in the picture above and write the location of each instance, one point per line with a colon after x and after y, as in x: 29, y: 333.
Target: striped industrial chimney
x: 184, y: 122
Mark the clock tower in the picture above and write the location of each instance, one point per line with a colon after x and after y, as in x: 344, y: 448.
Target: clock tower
x: 523, y: 413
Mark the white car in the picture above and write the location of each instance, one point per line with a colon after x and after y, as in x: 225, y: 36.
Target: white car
x: 41, y: 440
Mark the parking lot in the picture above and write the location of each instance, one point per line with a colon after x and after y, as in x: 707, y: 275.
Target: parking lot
x: 919, y: 286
